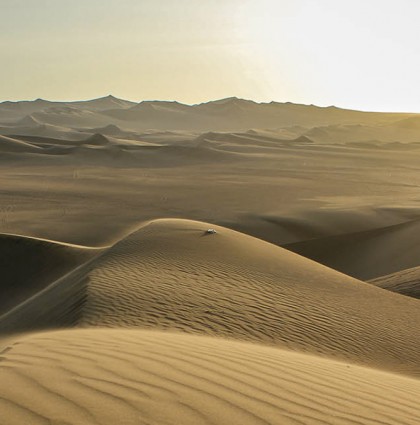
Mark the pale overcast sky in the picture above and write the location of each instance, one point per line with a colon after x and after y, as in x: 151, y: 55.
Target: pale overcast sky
x: 362, y: 54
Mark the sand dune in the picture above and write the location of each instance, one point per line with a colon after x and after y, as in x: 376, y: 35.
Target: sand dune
x: 44, y: 130
x: 69, y: 116
x: 408, y: 123
x: 368, y: 254
x: 139, y: 377
x: 28, y: 265
x: 405, y: 282
x: 111, y: 130
x: 404, y: 131
x: 171, y: 275
x: 28, y: 121
x: 138, y: 320
x: 9, y: 144
x: 293, y: 198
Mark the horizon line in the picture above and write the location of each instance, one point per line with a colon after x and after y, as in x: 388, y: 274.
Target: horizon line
x: 205, y: 102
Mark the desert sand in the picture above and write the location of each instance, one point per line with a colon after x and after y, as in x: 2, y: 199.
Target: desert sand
x: 135, y: 376
x: 119, y: 307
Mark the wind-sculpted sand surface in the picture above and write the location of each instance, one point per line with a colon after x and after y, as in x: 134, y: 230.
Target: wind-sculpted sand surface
x: 166, y: 264
x: 142, y: 377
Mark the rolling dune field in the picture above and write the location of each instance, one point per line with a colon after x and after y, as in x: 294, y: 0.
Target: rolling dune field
x: 222, y: 263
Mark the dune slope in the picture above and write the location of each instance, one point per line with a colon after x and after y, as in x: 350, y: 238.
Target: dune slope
x: 29, y: 264
x: 138, y: 377
x: 175, y: 278
x: 9, y: 144
x: 170, y: 274
x: 405, y: 282
x: 368, y: 254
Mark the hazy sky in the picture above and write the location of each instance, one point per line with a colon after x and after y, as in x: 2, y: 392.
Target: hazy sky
x: 362, y: 54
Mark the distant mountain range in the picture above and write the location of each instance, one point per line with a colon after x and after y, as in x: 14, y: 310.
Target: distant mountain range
x: 231, y: 114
